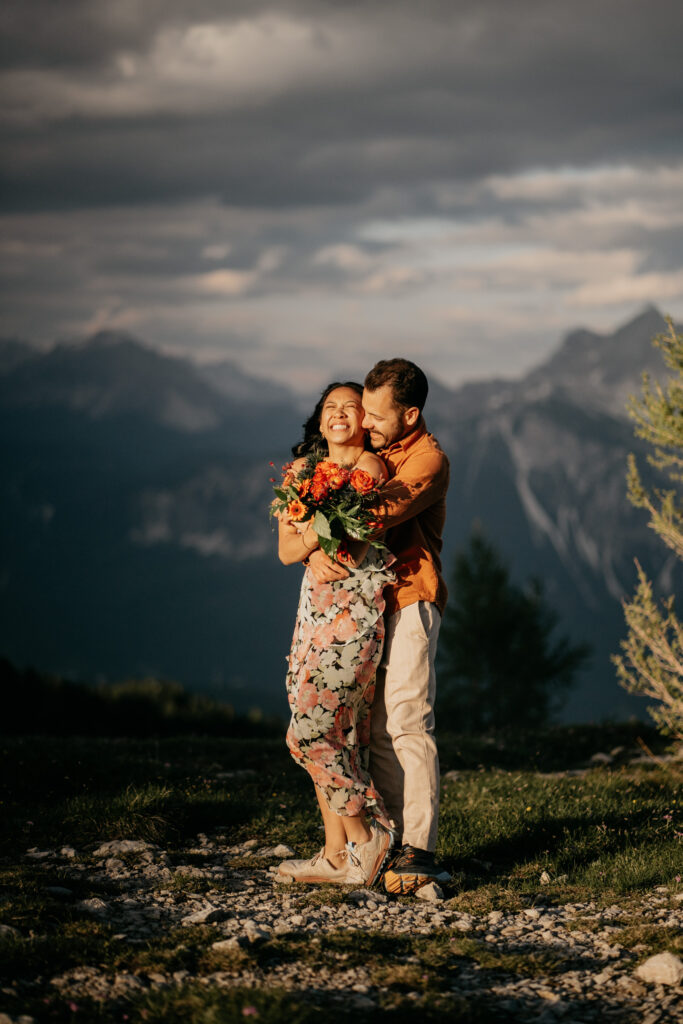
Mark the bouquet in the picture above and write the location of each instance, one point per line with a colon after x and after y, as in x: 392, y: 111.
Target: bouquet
x: 339, y: 502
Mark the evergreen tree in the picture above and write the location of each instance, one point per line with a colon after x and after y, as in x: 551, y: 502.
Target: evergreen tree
x: 500, y: 663
x: 651, y: 663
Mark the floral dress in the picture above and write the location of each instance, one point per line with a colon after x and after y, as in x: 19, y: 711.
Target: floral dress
x: 336, y: 648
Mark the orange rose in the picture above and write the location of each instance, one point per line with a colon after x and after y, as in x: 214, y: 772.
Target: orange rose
x: 343, y: 554
x: 361, y: 481
x: 319, y: 489
x: 296, y: 510
x: 324, y: 470
x: 337, y: 479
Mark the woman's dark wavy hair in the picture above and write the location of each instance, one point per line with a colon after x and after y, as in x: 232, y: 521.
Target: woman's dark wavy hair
x: 313, y: 442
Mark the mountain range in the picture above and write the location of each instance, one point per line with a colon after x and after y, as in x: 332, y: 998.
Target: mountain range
x: 135, y: 486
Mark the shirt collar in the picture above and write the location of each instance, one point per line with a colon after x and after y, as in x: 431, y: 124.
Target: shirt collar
x: 405, y: 442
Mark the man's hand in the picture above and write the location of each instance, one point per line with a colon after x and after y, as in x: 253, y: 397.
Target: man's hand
x: 324, y: 569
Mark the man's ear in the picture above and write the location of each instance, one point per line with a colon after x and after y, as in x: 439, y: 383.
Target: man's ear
x: 411, y: 416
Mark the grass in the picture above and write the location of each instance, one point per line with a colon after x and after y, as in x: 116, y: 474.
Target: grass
x: 603, y: 837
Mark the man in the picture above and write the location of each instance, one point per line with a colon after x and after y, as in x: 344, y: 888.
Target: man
x: 403, y: 756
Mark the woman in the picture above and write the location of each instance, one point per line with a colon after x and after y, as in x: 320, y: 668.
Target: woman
x: 336, y: 649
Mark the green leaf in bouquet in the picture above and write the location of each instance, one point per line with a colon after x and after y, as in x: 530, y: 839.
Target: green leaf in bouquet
x: 282, y: 495
x: 329, y: 545
x: 322, y: 528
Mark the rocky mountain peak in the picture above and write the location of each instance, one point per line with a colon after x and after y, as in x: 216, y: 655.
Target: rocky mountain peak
x: 602, y: 370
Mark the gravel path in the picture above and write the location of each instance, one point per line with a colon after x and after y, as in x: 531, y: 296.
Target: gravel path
x: 142, y: 897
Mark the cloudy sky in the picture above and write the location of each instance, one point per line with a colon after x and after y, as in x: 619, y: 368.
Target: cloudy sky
x: 305, y: 186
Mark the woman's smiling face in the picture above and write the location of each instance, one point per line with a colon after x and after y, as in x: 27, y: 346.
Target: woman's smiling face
x: 342, y: 417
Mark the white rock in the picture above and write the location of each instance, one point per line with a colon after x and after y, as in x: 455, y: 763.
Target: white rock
x: 545, y: 878
x: 223, y: 945
x: 6, y: 932
x: 93, y: 906
x: 128, y: 984
x: 157, y: 978
x: 206, y: 916
x: 662, y: 969
x: 431, y: 893
x: 252, y: 931
x: 35, y: 854
x: 117, y: 846
x: 601, y: 758
x: 67, y: 851
x: 365, y: 896
x: 283, y: 851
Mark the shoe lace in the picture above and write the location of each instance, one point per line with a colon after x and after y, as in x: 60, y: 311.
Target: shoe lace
x: 350, y: 853
x: 406, y: 856
x: 320, y: 855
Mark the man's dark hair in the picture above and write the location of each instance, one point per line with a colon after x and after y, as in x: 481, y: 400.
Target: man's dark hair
x: 407, y: 381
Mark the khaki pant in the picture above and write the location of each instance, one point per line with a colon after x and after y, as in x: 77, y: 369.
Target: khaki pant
x: 404, y: 763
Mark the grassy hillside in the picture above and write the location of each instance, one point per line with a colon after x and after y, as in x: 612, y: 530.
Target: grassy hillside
x: 605, y: 835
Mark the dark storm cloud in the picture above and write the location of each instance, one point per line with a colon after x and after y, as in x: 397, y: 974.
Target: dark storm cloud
x: 410, y: 95
x: 322, y: 176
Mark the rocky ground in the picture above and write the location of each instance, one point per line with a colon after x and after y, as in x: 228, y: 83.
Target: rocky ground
x: 582, y: 972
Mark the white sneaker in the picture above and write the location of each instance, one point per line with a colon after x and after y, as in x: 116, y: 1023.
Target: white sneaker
x: 370, y: 857
x: 319, y: 869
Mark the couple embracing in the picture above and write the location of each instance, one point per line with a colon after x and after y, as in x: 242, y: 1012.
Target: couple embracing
x: 361, y: 682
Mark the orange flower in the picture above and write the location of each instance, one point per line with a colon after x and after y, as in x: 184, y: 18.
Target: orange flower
x: 338, y: 478
x: 319, y: 489
x: 361, y: 481
x: 304, y: 487
x: 288, y: 479
x: 325, y: 469
x: 343, y: 554
x: 296, y: 510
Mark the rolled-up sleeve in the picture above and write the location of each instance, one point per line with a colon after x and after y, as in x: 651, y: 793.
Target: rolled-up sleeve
x: 423, y: 480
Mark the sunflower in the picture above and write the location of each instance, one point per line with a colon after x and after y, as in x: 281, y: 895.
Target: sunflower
x: 296, y: 510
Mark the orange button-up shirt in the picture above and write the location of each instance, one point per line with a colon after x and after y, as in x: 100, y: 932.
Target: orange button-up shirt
x: 413, y: 510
